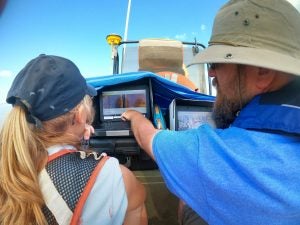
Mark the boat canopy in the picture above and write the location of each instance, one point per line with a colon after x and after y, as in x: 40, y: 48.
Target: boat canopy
x: 164, y: 90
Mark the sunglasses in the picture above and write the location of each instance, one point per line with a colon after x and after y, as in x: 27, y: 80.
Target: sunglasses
x: 212, y: 66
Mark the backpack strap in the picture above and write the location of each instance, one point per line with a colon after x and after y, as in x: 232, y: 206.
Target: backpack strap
x: 58, y: 207
x: 86, y: 192
x: 59, y: 154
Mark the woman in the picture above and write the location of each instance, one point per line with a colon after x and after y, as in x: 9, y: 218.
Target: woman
x: 44, y: 176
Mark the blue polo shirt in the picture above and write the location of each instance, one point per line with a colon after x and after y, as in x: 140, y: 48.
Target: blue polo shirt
x: 248, y: 173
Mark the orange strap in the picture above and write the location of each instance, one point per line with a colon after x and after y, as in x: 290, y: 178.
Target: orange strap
x: 179, y: 79
x: 58, y: 154
x: 77, y: 212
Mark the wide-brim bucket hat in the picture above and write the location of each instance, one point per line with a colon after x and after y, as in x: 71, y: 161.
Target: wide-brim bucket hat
x: 263, y: 33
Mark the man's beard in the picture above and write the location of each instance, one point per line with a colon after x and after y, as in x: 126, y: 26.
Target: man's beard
x: 225, y: 110
x: 226, y: 107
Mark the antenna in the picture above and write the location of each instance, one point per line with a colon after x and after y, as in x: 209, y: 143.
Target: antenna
x: 114, y: 40
x: 195, y: 48
x: 126, y: 31
x: 127, y: 20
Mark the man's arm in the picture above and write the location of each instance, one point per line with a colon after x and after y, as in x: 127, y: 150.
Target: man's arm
x: 142, y: 129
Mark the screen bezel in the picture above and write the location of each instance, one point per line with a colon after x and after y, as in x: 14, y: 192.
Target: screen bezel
x: 123, y: 88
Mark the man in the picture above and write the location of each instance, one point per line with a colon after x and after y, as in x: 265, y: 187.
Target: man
x: 247, y: 170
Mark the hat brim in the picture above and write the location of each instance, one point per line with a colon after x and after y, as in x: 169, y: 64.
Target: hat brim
x: 90, y: 90
x: 249, y: 56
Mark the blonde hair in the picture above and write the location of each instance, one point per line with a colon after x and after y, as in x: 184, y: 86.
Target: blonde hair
x: 23, y: 155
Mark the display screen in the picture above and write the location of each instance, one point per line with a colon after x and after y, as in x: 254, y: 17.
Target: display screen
x: 193, y: 117
x: 114, y: 103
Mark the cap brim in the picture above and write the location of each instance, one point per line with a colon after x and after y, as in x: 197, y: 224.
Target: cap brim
x: 249, y: 56
x: 90, y: 90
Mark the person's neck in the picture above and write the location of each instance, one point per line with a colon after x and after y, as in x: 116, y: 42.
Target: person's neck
x: 281, y: 80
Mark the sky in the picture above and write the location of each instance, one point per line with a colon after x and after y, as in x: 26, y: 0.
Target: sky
x: 77, y: 29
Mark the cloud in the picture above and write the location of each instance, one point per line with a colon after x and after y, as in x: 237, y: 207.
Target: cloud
x: 6, y: 79
x: 203, y: 27
x: 189, y: 37
x: 6, y: 73
x: 295, y: 3
x: 3, y: 94
x: 181, y: 37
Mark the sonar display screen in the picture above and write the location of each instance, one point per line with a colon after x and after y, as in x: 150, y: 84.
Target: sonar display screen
x: 193, y: 119
x: 117, y: 102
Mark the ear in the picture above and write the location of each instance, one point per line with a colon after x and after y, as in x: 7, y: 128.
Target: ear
x: 264, y: 78
x: 80, y: 115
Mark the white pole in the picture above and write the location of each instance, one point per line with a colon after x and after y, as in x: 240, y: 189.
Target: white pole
x: 127, y: 20
x: 126, y: 31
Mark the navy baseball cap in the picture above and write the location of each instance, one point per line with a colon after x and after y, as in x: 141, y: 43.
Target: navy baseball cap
x: 47, y: 87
